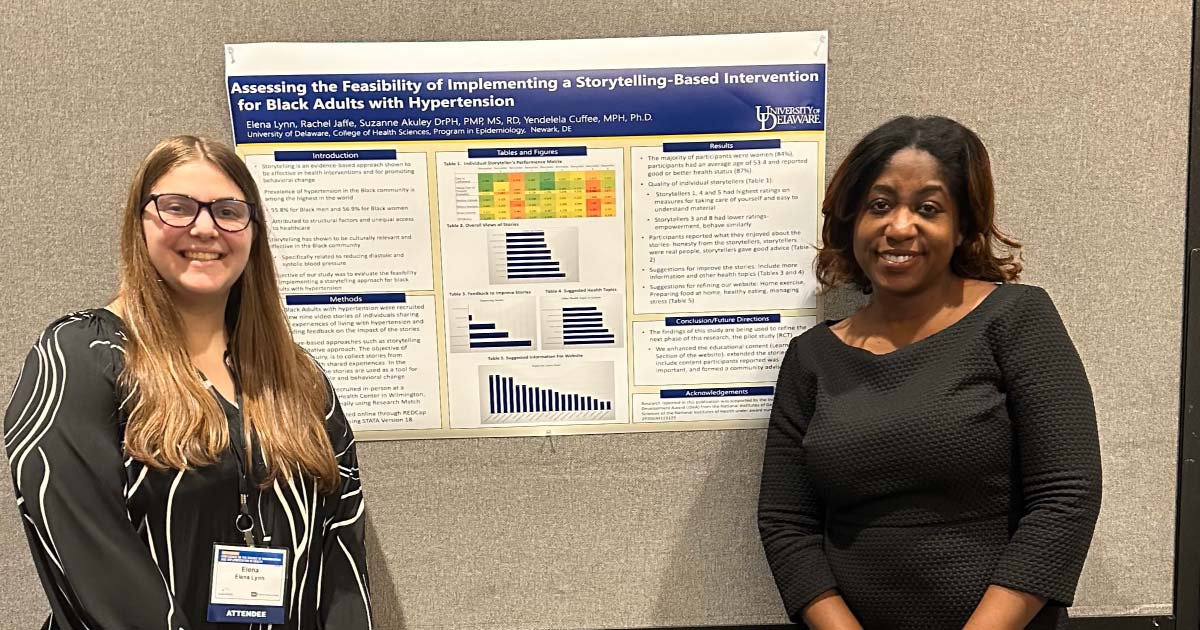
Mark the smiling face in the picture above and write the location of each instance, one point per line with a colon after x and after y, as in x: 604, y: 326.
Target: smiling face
x: 908, y: 228
x: 201, y: 262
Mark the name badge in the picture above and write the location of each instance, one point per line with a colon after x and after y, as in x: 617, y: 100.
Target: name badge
x: 247, y: 585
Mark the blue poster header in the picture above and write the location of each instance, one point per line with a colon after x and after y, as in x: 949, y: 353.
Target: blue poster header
x: 551, y: 104
x: 526, y: 152
x: 717, y: 392
x: 732, y: 145
x: 345, y: 298
x: 364, y: 154
x: 723, y: 320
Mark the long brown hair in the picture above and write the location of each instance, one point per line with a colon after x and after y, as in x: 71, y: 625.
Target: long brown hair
x: 986, y: 252
x: 175, y: 422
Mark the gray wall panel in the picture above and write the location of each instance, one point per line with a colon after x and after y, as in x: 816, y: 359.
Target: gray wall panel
x: 1083, y: 105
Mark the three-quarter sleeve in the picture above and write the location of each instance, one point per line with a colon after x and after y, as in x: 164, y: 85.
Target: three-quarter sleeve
x: 345, y: 602
x: 790, y: 513
x: 1054, y: 431
x: 62, y: 436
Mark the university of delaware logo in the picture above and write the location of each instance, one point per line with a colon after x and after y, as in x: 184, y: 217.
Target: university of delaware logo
x: 770, y: 116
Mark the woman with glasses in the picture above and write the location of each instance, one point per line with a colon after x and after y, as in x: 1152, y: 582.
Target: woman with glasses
x: 932, y: 461
x: 179, y: 461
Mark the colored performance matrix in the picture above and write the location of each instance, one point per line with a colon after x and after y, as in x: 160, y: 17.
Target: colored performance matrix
x: 547, y: 195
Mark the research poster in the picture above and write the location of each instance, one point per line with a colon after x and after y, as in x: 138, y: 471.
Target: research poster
x: 541, y: 237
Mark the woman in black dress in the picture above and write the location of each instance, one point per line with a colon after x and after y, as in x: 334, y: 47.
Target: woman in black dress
x: 932, y: 461
x: 129, y: 427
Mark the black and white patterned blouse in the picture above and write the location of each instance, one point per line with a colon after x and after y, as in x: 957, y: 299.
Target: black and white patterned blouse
x: 121, y: 545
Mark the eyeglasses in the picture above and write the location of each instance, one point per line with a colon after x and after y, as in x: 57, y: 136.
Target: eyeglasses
x: 231, y: 215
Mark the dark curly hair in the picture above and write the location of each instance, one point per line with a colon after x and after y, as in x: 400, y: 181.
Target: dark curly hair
x: 985, y: 253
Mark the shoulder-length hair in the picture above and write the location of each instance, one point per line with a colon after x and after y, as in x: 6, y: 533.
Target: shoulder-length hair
x: 175, y: 422
x: 986, y: 253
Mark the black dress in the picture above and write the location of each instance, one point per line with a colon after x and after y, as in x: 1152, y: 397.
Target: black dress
x: 910, y: 481
x: 120, y: 545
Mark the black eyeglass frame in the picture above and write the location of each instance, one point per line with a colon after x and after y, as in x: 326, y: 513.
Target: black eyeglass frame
x: 202, y: 206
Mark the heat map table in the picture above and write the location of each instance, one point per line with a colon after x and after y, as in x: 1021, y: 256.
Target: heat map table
x: 547, y: 195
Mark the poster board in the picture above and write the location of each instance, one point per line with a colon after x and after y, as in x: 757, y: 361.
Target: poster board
x: 526, y: 238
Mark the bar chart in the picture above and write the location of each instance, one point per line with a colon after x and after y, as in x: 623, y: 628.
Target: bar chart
x: 494, y: 325
x: 582, y: 392
x: 582, y: 323
x: 533, y: 256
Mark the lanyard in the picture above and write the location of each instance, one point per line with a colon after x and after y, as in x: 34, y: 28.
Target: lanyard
x: 244, y: 521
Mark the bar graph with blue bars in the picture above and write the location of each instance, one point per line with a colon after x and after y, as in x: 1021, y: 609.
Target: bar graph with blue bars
x: 581, y: 323
x: 529, y: 256
x: 584, y: 326
x: 486, y: 335
x: 508, y: 398
x: 494, y: 327
x: 550, y: 393
x: 533, y: 256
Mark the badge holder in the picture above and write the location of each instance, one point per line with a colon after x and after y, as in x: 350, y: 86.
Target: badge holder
x: 248, y: 585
